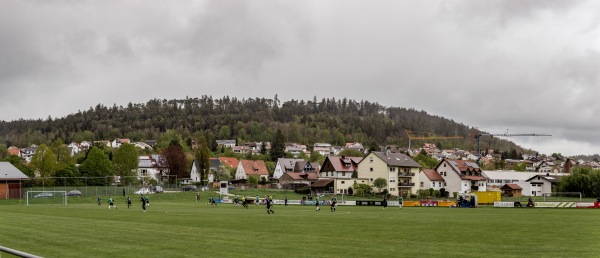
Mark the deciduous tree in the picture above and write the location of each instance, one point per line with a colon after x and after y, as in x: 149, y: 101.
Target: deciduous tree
x: 97, y: 166
x: 125, y: 161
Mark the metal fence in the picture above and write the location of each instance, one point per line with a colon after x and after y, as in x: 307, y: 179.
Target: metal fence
x: 92, y: 186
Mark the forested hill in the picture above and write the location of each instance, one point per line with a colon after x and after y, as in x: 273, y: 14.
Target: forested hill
x: 334, y: 121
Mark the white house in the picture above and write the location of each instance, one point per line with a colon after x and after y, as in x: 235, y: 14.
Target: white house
x: 152, y: 167
x: 248, y: 168
x: 284, y: 165
x: 226, y: 143
x: 116, y: 143
x: 431, y: 179
x: 540, y: 185
x: 461, y: 176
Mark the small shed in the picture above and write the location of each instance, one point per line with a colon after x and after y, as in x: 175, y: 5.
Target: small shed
x: 511, y: 190
x: 322, y: 186
x: 11, y: 178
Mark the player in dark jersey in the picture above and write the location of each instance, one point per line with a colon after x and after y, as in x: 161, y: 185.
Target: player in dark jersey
x: 268, y: 202
x: 143, y: 200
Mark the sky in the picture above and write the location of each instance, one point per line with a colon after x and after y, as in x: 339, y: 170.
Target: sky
x: 516, y: 66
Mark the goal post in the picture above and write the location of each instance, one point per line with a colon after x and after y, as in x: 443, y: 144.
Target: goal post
x: 563, y: 196
x: 46, y: 197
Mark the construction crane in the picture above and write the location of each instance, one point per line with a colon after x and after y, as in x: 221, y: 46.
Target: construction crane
x: 428, y: 136
x: 477, y: 136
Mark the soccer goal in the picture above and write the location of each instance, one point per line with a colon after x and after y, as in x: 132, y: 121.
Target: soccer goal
x: 562, y: 196
x: 46, y: 197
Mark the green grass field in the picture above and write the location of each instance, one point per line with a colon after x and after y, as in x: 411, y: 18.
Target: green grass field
x: 176, y: 226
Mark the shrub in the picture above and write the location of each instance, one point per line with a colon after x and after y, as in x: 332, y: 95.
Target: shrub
x: 302, y: 190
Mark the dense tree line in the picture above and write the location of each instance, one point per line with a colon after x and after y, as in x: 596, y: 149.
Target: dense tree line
x: 335, y: 121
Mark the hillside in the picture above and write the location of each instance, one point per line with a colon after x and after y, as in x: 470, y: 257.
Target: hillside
x: 335, y: 121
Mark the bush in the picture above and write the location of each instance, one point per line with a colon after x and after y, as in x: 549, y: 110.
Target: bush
x: 302, y: 190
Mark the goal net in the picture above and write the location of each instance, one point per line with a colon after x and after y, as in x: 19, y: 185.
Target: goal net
x: 46, y: 197
x: 562, y: 197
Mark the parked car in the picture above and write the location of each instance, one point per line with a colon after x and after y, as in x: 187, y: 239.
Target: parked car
x: 142, y: 191
x: 188, y: 188
x: 74, y: 193
x: 44, y: 195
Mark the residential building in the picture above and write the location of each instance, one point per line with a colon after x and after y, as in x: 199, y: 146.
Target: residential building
x: 429, y: 178
x: 284, y: 165
x: 226, y: 143
x: 12, y: 150
x: 341, y: 169
x: 293, y: 180
x: 248, y: 168
x: 399, y: 170
x: 461, y: 176
x: 28, y: 152
x: 541, y: 185
x: 153, y: 166
x: 116, y: 143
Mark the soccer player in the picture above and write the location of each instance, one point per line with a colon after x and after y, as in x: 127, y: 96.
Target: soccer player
x: 400, y: 201
x: 128, y: 202
x: 143, y: 200
x: 244, y: 202
x: 285, y: 201
x: 236, y: 200
x: 384, y: 202
x: 268, y: 202
x: 111, y: 203
x: 333, y: 203
x: 317, y: 204
x: 197, y: 197
x: 98, y: 200
x: 257, y: 201
x: 147, y: 201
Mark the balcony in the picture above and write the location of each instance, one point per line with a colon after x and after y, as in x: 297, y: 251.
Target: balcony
x: 406, y: 174
x: 406, y: 184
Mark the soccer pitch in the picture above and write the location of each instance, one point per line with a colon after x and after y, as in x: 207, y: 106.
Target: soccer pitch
x: 184, y: 228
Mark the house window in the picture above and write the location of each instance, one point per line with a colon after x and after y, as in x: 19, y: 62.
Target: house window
x: 421, y: 184
x: 444, y: 164
x: 392, y: 189
x: 445, y: 184
x: 343, y: 182
x: 371, y: 160
x: 343, y: 173
x: 432, y: 184
x: 392, y: 169
x: 144, y: 172
x: 371, y: 179
x: 371, y: 169
x: 392, y: 180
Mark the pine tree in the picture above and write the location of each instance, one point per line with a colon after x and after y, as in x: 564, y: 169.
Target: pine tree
x: 278, y: 146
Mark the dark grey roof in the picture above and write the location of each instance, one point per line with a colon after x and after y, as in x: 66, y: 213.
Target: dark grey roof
x: 215, y: 163
x: 397, y: 159
x: 8, y: 171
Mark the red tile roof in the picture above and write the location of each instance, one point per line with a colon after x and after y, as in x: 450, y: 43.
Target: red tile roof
x: 511, y: 186
x: 255, y: 167
x: 230, y: 162
x: 433, y: 175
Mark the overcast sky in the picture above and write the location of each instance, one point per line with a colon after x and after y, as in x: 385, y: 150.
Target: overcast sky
x: 525, y: 66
